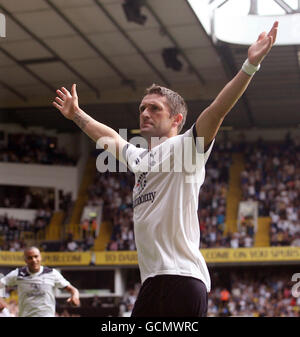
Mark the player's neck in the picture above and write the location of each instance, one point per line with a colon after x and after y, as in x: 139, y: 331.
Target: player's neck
x: 154, y: 141
x: 35, y: 271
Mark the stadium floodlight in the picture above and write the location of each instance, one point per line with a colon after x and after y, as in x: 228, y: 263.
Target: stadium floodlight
x: 170, y: 58
x: 132, y: 9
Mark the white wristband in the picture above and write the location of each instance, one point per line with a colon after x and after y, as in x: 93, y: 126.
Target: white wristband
x: 249, y: 68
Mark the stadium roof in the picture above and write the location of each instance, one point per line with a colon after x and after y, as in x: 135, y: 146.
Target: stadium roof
x: 54, y: 43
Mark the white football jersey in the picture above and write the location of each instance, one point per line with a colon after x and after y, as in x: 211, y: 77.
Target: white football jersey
x: 165, y: 204
x: 36, y: 291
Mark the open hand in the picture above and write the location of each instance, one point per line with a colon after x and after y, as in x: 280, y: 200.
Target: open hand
x: 259, y: 49
x: 66, y: 102
x: 74, y: 300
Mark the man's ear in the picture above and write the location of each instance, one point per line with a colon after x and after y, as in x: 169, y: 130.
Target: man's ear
x: 177, y: 119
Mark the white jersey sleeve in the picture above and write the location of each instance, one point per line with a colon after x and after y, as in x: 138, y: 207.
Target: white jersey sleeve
x: 199, y: 142
x: 60, y: 281
x: 133, y: 156
x: 10, y: 279
x: 194, y: 155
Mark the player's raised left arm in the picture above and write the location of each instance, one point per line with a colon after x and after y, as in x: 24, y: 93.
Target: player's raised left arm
x: 74, y: 298
x: 210, y: 120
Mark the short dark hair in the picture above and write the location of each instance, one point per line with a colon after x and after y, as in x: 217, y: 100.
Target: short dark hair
x: 27, y: 249
x: 175, y: 101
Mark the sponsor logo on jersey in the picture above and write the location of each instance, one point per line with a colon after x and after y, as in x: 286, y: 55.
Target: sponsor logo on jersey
x: 139, y: 187
x: 144, y: 198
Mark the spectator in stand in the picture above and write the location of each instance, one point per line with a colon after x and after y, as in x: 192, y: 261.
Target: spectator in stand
x: 128, y: 300
x: 72, y: 245
x: 112, y: 245
x: 224, y: 296
x: 85, y: 227
x: 234, y: 242
x: 94, y: 227
x: 96, y: 302
x: 65, y: 201
x: 296, y: 240
x: 88, y: 242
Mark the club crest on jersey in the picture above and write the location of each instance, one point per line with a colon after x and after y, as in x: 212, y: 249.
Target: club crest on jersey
x: 141, y: 183
x: 35, y: 286
x: 35, y: 290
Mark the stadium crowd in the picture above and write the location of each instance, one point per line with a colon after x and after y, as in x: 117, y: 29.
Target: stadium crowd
x: 114, y: 192
x: 254, y: 294
x: 26, y: 197
x: 71, y: 245
x: 33, y: 149
x: 272, y: 178
x: 12, y: 230
x: 212, y: 198
x: 244, y: 293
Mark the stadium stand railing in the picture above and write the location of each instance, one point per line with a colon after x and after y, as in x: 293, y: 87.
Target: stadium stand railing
x: 234, y: 192
x: 104, y: 236
x: 87, y: 179
x: 262, y: 237
x: 54, y: 230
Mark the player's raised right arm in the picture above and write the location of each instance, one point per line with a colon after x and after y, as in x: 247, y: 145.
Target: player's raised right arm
x: 67, y: 103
